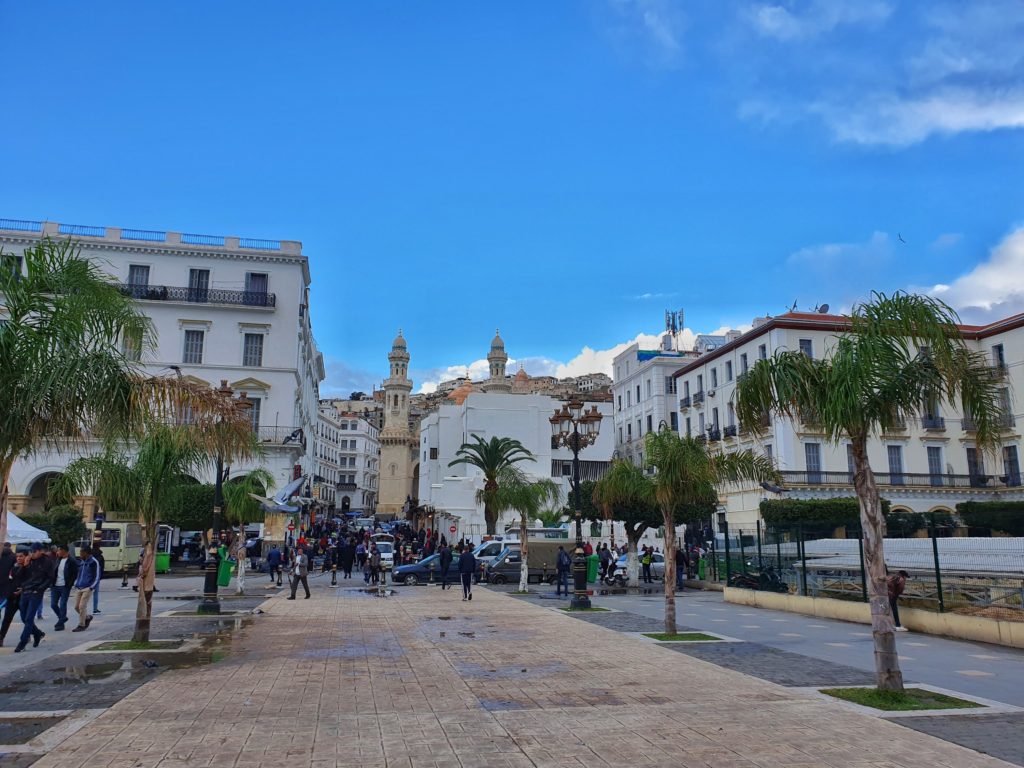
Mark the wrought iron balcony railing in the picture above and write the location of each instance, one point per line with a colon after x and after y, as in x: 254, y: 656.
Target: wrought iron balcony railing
x: 911, y: 479
x: 934, y: 423
x: 684, y: 402
x: 730, y: 431
x: 714, y: 435
x: 198, y: 295
x: 698, y: 397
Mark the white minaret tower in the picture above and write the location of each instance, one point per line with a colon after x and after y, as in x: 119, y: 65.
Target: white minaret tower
x: 497, y: 358
x: 395, y: 438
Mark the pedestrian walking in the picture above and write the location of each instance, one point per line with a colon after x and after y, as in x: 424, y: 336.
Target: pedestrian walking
x: 563, y: 564
x: 300, y: 572
x: 10, y: 588
x: 88, y: 579
x: 361, y: 554
x: 274, y: 565
x: 645, y: 560
x: 605, y: 557
x: 896, y: 585
x: 97, y: 554
x: 680, y: 566
x: 64, y: 576
x: 467, y: 567
x: 348, y: 556
x: 374, y: 563
x: 445, y: 561
x: 36, y: 581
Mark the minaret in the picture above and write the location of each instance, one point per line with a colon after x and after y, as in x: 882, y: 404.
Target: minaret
x: 395, y: 438
x: 497, y: 359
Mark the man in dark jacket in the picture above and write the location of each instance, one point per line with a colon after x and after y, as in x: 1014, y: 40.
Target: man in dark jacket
x: 38, y: 577
x: 64, y: 575
x: 467, y: 567
x: 445, y: 562
x: 274, y: 564
x: 12, y: 589
x: 347, y: 556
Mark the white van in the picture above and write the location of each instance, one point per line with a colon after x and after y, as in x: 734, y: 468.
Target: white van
x: 386, y: 546
x: 487, y: 552
x: 121, y: 545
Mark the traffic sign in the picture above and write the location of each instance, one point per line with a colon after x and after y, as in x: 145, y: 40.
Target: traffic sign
x: 453, y: 529
x: 291, y: 525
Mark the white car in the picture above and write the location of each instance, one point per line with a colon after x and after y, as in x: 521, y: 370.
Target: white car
x: 387, y: 554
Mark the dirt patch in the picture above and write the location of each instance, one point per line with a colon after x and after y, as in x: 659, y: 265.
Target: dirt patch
x: 21, y: 730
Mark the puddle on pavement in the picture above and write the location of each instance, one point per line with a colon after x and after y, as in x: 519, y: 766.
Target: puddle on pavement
x: 530, y: 672
x: 503, y: 705
x: 383, y: 648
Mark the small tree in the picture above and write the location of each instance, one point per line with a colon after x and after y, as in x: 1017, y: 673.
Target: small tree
x: 901, y: 352
x: 688, y: 473
x: 63, y: 522
x: 517, y: 491
x: 491, y: 457
x: 625, y: 493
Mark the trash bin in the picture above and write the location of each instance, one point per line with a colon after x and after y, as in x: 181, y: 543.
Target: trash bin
x: 163, y: 562
x: 593, y: 565
x: 224, y: 568
x: 700, y: 569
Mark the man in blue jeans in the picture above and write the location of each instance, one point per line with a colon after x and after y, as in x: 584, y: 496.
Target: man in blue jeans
x: 563, y: 565
x: 64, y: 576
x: 33, y: 588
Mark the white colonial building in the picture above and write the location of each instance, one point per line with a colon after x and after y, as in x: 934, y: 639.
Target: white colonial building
x: 359, y: 481
x: 930, y: 464
x: 643, y: 394
x: 451, y: 491
x: 327, y: 454
x: 228, y: 309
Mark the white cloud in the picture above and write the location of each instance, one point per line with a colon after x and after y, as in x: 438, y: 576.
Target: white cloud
x: 827, y: 257
x: 994, y: 288
x: 342, y: 379
x: 946, y: 240
x: 654, y: 27
x: 814, y: 19
x: 649, y: 296
x: 900, y: 121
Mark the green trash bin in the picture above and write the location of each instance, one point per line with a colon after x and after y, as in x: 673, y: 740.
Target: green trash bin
x: 163, y: 562
x: 225, y: 568
x: 593, y: 566
x: 700, y: 569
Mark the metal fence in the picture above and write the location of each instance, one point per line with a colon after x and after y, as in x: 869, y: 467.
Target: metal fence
x: 947, y: 571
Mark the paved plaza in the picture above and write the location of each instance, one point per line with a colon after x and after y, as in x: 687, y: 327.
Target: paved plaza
x: 424, y: 679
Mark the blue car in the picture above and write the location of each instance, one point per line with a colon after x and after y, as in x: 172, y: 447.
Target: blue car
x: 419, y: 573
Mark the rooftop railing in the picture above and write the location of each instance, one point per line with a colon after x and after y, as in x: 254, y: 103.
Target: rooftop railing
x: 912, y: 479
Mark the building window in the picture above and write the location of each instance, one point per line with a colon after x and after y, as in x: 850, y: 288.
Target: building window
x: 689, y: 432
x: 768, y: 452
x: 638, y: 393
x: 629, y: 432
x: 807, y: 347
x: 895, y: 453
x: 998, y: 356
x: 976, y: 466
x: 650, y: 421
x: 1011, y: 465
x: 731, y: 412
x: 700, y: 382
x: 714, y: 378
x: 620, y: 402
x: 193, y: 347
x: 673, y: 420
x: 935, y: 464
x: 131, y: 344
x: 198, y: 284
x: 628, y: 403
x: 743, y: 363
x: 762, y: 352
x: 639, y: 431
x: 256, y: 285
x: 648, y: 387
x: 686, y: 389
x: 252, y: 350
x: 620, y: 434
x: 700, y: 423
x: 851, y: 467
x: 670, y: 385
x: 138, y: 280
x: 812, y: 460
x: 256, y: 404
x: 728, y: 370
x: 433, y: 453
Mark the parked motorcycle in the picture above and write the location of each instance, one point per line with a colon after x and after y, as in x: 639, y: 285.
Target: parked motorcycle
x: 766, y: 579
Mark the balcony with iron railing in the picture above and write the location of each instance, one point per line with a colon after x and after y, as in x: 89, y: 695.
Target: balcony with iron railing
x: 684, y: 401
x: 702, y: 439
x: 714, y: 434
x: 256, y: 299
x: 731, y: 431
x: 902, y: 479
x: 698, y: 397
x: 933, y: 423
x: 279, y: 436
x: 1002, y: 421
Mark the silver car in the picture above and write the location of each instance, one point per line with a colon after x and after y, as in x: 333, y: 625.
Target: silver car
x: 619, y: 575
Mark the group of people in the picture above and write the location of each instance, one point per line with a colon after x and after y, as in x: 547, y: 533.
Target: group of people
x: 28, y: 572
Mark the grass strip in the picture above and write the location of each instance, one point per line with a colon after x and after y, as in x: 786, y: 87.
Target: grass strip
x: 592, y: 609
x: 680, y: 637
x: 132, y: 645
x: 894, y: 701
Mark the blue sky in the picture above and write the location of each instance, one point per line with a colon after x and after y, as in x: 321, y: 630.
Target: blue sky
x: 562, y: 170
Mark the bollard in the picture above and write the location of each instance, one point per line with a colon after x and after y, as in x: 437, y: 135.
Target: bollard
x: 430, y: 572
x: 728, y: 565
x: 279, y: 569
x: 760, y: 561
x: 334, y: 575
x: 124, y: 576
x: 863, y: 571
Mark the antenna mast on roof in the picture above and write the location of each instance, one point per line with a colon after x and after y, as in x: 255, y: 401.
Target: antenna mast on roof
x: 674, y: 325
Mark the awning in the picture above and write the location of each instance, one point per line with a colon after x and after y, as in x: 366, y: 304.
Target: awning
x: 20, y: 532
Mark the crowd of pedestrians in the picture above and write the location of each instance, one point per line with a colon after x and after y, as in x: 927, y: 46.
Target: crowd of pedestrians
x: 28, y: 572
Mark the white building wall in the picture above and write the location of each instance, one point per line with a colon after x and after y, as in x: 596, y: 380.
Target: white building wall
x: 640, y: 399
x: 288, y: 372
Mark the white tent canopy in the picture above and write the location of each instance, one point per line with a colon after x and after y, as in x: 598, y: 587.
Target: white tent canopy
x: 20, y: 532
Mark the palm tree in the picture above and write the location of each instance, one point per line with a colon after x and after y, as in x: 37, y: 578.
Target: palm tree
x: 687, y: 476
x: 625, y: 492
x: 63, y: 376
x: 491, y: 457
x: 148, y: 482
x: 550, y: 517
x: 517, y: 491
x: 900, y: 352
x: 241, y: 508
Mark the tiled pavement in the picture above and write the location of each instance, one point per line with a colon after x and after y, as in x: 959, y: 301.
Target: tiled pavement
x: 423, y: 680
x: 998, y: 735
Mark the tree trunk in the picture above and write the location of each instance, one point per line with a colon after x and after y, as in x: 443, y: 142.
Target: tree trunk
x: 670, y: 572
x: 524, y: 569
x: 241, y: 558
x: 887, y: 665
x: 632, y: 559
x: 147, y: 577
x: 5, y: 476
x: 490, y: 519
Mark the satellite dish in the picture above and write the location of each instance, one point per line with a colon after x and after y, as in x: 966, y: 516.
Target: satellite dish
x: 823, y: 309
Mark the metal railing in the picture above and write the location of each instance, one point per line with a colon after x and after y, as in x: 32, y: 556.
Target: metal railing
x: 730, y: 431
x: 190, y: 239
x: 915, y: 479
x: 714, y: 434
x: 698, y: 397
x: 149, y: 235
x: 934, y: 423
x: 21, y: 225
x: 81, y: 230
x: 260, y: 245
x: 684, y: 402
x: 198, y: 295
x: 277, y: 436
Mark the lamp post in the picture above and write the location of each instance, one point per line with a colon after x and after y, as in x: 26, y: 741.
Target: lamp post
x: 211, y: 603
x: 575, y: 429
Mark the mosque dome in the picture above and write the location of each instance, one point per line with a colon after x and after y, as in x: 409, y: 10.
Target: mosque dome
x: 522, y: 377
x: 399, y: 342
x: 496, y: 342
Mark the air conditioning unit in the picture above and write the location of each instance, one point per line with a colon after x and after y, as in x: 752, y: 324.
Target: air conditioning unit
x: 711, y: 393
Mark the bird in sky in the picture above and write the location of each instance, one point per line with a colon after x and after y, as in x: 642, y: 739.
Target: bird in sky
x: 901, y: 238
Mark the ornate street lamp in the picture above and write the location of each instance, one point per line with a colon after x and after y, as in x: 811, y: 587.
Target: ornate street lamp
x: 575, y: 429
x: 211, y: 603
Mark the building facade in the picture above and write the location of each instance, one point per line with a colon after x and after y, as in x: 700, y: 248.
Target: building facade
x: 327, y: 454
x: 359, y: 477
x: 397, y: 441
x: 928, y: 465
x: 222, y: 309
x: 451, y: 492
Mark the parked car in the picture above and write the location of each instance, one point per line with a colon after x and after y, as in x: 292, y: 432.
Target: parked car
x: 619, y: 573
x: 419, y: 573
x: 542, y: 562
